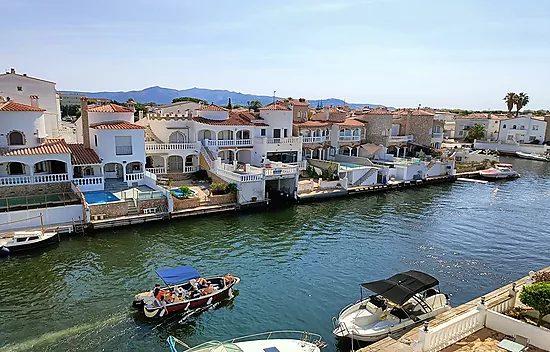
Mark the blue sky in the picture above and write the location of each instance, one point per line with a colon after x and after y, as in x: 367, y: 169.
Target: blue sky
x: 439, y: 53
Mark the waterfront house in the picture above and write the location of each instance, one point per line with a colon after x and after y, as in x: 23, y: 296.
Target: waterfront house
x: 491, y: 123
x: 24, y: 89
x: 523, y: 129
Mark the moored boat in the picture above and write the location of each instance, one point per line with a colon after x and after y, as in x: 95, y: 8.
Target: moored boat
x: 184, y: 291
x: 273, y: 341
x: 499, y: 171
x: 28, y: 240
x: 533, y: 156
x: 398, y: 303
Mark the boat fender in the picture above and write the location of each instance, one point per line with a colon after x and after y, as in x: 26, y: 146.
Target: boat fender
x: 149, y: 313
x: 187, y: 306
x: 384, y: 316
x: 209, y: 301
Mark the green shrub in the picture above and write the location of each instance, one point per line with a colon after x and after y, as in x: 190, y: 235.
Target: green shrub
x: 217, y: 188
x: 537, y: 296
x: 231, y: 188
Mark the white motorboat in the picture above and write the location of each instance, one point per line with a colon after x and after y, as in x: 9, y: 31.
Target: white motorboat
x: 533, y: 156
x: 499, y: 171
x: 274, y: 341
x: 398, y: 303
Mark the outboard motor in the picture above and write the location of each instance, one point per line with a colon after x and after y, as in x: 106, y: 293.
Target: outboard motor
x: 4, y: 250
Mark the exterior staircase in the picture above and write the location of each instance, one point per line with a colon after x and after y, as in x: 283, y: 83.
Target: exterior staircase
x: 114, y: 185
x: 132, y: 210
x: 365, y: 176
x: 206, y: 158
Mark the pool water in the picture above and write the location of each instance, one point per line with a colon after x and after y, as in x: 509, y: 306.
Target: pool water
x: 178, y: 193
x: 350, y: 166
x: 100, y: 197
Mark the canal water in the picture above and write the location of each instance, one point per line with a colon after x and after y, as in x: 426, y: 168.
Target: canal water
x: 299, y: 266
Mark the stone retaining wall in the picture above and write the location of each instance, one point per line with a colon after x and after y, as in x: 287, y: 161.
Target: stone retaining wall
x: 180, y: 204
x: 27, y: 190
x: 110, y: 210
x: 215, y: 178
x: 160, y: 203
x: 222, y: 199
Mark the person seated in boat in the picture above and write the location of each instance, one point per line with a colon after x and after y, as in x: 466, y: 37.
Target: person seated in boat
x: 156, y: 290
x: 208, y: 290
x: 202, y: 282
x: 169, y: 297
x: 228, y: 279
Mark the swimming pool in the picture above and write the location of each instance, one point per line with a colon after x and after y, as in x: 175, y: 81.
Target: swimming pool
x: 350, y: 166
x: 178, y: 193
x: 100, y: 197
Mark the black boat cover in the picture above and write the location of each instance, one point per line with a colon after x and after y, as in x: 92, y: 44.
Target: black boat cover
x: 401, y: 287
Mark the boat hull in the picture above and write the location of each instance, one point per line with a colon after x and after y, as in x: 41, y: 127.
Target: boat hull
x: 28, y: 246
x: 531, y: 156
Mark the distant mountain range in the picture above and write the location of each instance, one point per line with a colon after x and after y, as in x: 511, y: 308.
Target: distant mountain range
x: 162, y: 95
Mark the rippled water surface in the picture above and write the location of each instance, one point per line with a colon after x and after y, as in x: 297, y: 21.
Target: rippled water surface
x: 299, y: 266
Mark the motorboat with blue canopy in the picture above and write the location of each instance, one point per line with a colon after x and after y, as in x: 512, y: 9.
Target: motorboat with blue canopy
x: 398, y: 303
x: 186, y: 290
x: 173, y: 276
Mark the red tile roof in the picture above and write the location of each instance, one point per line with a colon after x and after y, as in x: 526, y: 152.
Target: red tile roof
x: 299, y: 103
x: 414, y: 112
x: 211, y: 107
x: 51, y: 146
x: 13, y: 106
x: 235, y: 119
x: 80, y: 155
x: 277, y: 106
x: 116, y: 125
x: 109, y: 108
x: 351, y: 123
x: 380, y: 110
x: 311, y: 123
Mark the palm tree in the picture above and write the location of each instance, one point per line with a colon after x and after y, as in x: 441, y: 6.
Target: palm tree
x: 475, y: 132
x: 521, y: 101
x: 510, y: 99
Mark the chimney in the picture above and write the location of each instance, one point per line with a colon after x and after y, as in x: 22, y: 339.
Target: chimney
x: 34, y: 100
x: 140, y: 115
x: 85, y: 121
x: 132, y: 105
x: 12, y: 70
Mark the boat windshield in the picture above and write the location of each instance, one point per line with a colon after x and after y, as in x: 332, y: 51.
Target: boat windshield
x: 210, y: 346
x: 378, y: 302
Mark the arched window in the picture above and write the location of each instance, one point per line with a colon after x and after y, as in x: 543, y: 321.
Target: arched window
x: 176, y: 137
x: 514, y: 127
x: 16, y: 169
x: 356, y: 132
x: 504, y: 126
x: 16, y: 138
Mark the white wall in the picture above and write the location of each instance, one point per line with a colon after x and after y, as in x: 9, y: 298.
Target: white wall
x: 492, y: 127
x: 51, y: 216
x: 525, y: 128
x: 30, y: 160
x: 97, y: 117
x: 31, y: 86
x: 106, y: 145
x: 29, y: 122
x: 509, y: 326
x: 214, y: 115
x: 178, y: 108
x: 277, y: 119
x: 507, y: 147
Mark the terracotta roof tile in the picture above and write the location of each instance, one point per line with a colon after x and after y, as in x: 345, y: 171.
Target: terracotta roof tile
x: 51, y: 146
x: 299, y: 103
x: 380, y: 110
x: 275, y: 107
x: 13, y: 106
x: 109, y: 108
x: 312, y: 123
x: 235, y: 119
x: 211, y: 107
x: 351, y: 123
x: 80, y: 155
x: 116, y: 125
x: 414, y: 112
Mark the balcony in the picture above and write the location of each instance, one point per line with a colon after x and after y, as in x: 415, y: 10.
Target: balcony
x: 152, y: 148
x: 400, y: 139
x: 33, y: 179
x: 349, y: 138
x: 438, y: 135
x: 123, y: 150
x: 321, y: 139
x: 229, y: 143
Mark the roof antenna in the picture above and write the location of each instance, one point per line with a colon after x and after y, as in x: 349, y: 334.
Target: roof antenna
x: 274, y: 95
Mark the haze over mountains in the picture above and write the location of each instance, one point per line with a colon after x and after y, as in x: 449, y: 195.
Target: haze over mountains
x: 162, y: 95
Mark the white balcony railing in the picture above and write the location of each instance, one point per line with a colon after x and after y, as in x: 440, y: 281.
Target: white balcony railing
x: 229, y: 142
x: 134, y: 177
x: 321, y: 139
x: 88, y: 181
x: 408, y: 138
x: 156, y: 170
x: 286, y: 140
x: 438, y: 135
x: 189, y: 169
x: 35, y: 179
x: 349, y: 138
x: 451, y: 331
x: 281, y: 171
x: 160, y: 147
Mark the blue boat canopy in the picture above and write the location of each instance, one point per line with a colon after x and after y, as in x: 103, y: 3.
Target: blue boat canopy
x: 172, y: 276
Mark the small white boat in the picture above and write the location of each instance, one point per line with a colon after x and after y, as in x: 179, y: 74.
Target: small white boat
x: 499, y: 171
x: 399, y: 303
x: 28, y: 240
x: 533, y: 156
x: 274, y: 341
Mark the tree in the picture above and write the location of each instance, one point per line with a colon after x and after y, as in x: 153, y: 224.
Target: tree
x: 537, y: 296
x: 476, y: 132
x: 194, y: 100
x: 254, y: 105
x: 229, y: 104
x: 510, y: 99
x: 521, y: 101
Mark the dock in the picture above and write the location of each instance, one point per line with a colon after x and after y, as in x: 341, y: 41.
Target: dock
x: 404, y: 342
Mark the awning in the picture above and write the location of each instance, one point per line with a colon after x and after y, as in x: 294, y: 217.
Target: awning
x: 172, y: 276
x: 371, y: 148
x: 401, y: 287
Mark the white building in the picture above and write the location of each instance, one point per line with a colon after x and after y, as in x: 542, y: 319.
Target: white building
x: 523, y: 129
x: 23, y: 89
x: 489, y: 121
x: 185, y: 108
